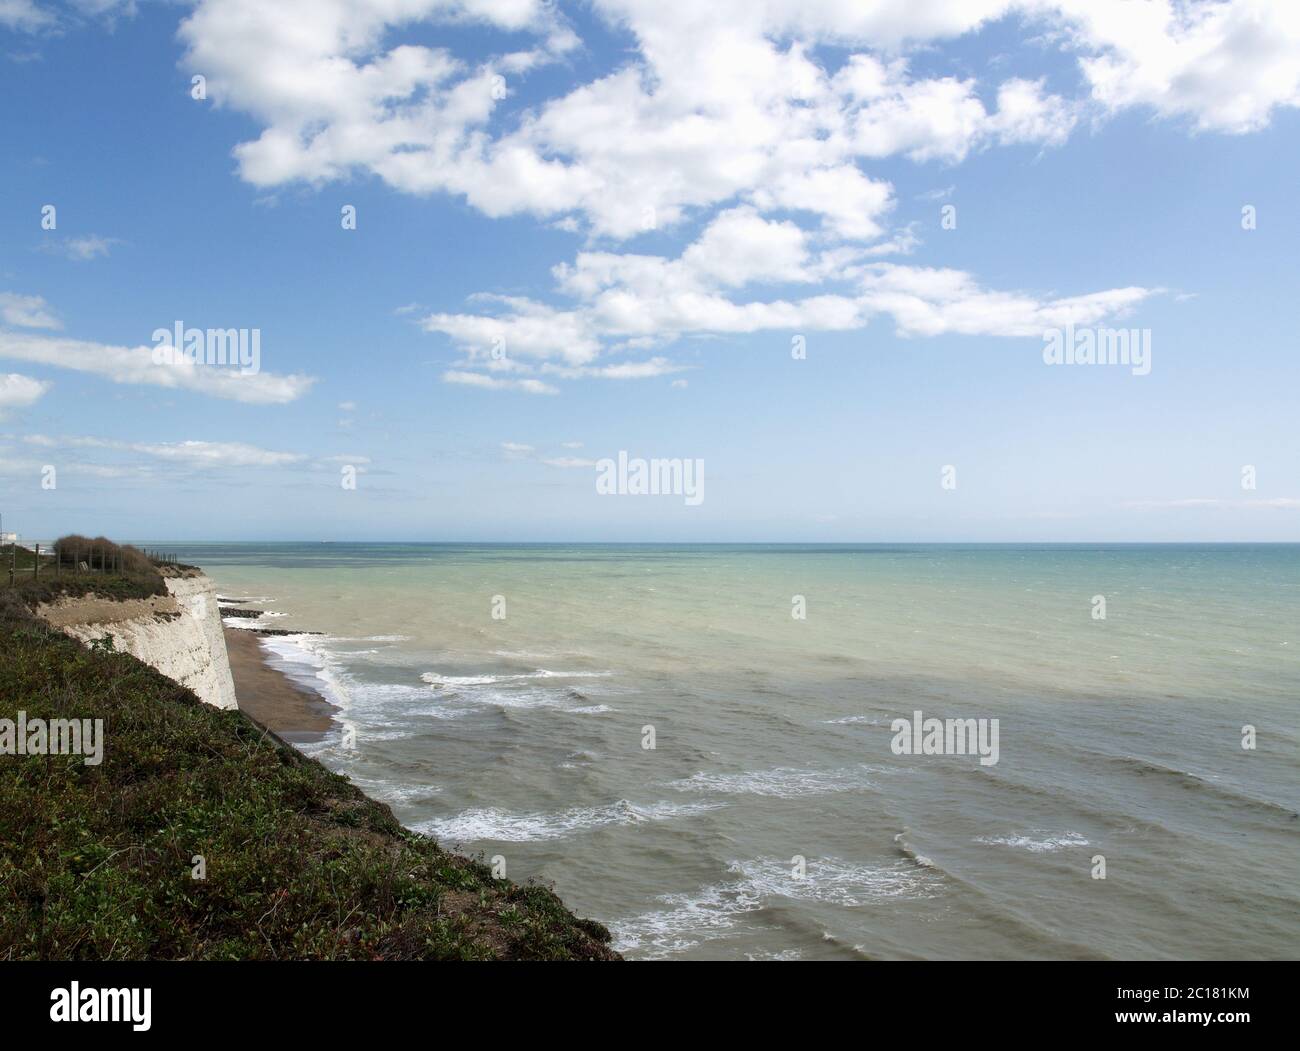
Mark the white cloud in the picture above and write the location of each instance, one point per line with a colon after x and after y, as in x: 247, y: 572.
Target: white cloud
x: 86, y: 248
x: 942, y: 118
x: 218, y: 454
x: 136, y: 365
x: 569, y: 462
x: 1026, y: 114
x: 624, y: 298
x: 26, y: 311
x: 81, y: 249
x: 927, y: 301
x: 758, y: 118
x: 18, y: 392
x: 1223, y: 66
x: 530, y: 329
x: 23, y: 15
x: 623, y: 370
x: 478, y: 379
x: 722, y: 102
x: 191, y: 453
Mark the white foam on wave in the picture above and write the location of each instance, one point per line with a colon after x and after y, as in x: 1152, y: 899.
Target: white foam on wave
x: 521, y: 697
x: 689, y: 919
x: 307, y: 659
x: 720, y: 909
x: 434, y: 679
x: 490, y: 823
x: 783, y: 782
x: 1037, y: 841
x: 846, y: 720
x: 395, y: 792
x: 833, y: 881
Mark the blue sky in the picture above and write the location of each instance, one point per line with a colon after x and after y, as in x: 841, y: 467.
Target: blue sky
x: 641, y: 214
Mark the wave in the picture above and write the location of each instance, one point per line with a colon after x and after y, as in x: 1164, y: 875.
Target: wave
x: 908, y: 851
x: 1196, y: 782
x: 490, y: 823
x: 435, y: 679
x: 306, y: 660
x: 783, y: 782
x: 721, y: 909
x: 1037, y: 841
x: 370, y: 638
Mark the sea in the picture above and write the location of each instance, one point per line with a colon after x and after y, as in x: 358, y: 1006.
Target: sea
x: 723, y: 751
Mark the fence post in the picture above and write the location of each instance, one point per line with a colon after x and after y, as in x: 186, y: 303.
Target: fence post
x: 36, y: 564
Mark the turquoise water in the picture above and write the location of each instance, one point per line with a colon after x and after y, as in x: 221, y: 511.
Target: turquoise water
x: 522, y: 737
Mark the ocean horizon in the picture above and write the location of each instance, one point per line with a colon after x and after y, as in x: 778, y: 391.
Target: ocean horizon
x: 697, y: 744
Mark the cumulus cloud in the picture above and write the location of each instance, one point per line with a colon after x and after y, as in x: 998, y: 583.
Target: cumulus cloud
x: 722, y: 102
x: 725, y: 101
x: 18, y: 392
x: 136, y: 365
x: 758, y: 120
x: 633, y: 299
x: 1223, y: 66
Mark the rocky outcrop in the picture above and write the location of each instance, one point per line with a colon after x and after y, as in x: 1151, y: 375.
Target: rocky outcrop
x: 179, y: 633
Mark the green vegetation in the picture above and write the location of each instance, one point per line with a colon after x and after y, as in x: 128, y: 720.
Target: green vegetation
x: 97, y: 862
x: 116, y: 571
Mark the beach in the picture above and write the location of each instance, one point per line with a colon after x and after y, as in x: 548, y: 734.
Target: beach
x: 297, y: 714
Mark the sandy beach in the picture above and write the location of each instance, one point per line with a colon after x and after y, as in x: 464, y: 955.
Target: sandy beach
x: 297, y: 714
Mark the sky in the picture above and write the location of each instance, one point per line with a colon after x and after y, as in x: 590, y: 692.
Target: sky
x: 818, y: 250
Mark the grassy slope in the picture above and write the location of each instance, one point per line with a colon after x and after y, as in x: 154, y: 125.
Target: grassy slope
x: 95, y: 862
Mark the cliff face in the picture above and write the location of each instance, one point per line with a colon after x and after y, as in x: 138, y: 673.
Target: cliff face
x: 179, y: 634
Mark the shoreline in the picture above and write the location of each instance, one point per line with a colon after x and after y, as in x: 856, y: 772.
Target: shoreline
x: 295, y: 712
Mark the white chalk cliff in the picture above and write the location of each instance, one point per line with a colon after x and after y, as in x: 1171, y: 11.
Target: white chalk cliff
x: 179, y: 634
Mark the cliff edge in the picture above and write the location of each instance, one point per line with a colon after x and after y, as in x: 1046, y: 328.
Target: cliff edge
x: 193, y: 833
x: 178, y: 633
